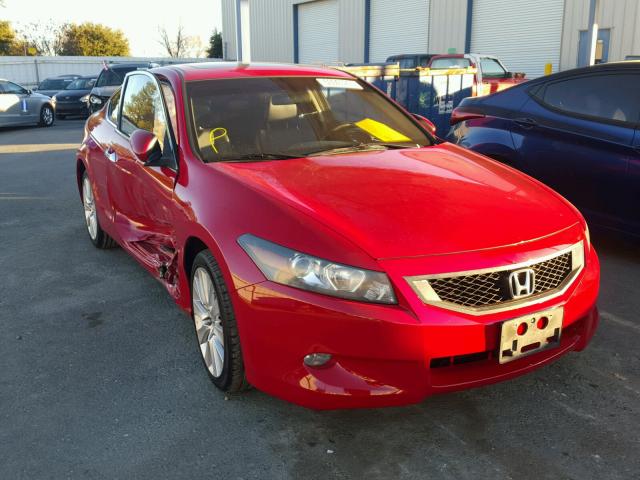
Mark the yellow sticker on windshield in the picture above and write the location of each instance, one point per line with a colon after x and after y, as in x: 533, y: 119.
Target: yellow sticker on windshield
x: 217, y: 134
x: 381, y: 131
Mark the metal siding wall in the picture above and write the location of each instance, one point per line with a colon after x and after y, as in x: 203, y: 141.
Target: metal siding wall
x: 318, y: 31
x: 398, y: 27
x: 621, y: 16
x: 229, y: 29
x: 525, y: 35
x: 447, y: 26
x: 271, y: 30
x: 351, y: 47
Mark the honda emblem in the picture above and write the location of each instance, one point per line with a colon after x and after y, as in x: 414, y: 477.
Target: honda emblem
x: 522, y: 283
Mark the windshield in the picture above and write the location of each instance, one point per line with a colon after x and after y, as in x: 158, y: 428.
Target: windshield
x: 269, y: 117
x: 81, y: 84
x: 113, y: 78
x: 54, y: 84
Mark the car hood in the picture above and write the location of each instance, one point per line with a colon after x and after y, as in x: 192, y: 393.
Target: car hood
x: 413, y: 202
x: 46, y: 93
x: 72, y: 94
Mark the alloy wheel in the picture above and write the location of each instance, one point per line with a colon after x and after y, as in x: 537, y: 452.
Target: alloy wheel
x: 47, y: 116
x: 208, y: 321
x: 89, y: 203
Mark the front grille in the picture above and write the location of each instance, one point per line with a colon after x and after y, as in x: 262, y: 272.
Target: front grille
x: 492, y: 288
x: 486, y: 290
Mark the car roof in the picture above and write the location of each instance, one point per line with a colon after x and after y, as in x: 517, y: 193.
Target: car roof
x: 213, y: 70
x: 117, y: 66
x: 631, y: 65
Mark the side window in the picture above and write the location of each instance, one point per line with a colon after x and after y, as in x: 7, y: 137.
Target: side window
x: 142, y: 108
x: 170, y: 101
x: 491, y: 68
x: 606, y: 97
x: 13, y: 88
x: 113, y: 107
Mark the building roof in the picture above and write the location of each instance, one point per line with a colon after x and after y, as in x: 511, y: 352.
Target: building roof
x: 211, y: 70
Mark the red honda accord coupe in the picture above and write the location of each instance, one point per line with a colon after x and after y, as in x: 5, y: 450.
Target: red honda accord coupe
x: 330, y: 250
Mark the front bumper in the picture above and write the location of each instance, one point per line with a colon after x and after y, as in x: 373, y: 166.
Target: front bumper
x: 389, y: 355
x: 72, y: 108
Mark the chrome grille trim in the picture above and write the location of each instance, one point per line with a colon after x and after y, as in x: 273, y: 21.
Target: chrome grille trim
x: 479, y: 292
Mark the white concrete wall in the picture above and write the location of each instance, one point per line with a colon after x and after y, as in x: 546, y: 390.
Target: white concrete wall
x: 29, y: 71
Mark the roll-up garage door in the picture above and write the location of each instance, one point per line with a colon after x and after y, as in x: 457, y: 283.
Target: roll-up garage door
x: 318, y: 32
x: 397, y: 28
x: 524, y: 34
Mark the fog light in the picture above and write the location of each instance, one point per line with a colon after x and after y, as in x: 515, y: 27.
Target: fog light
x: 316, y: 359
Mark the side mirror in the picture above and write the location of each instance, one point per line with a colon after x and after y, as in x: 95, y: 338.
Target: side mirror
x: 146, y: 147
x: 28, y: 92
x: 425, y: 123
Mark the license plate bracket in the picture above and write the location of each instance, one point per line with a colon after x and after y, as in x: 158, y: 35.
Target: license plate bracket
x: 530, y: 334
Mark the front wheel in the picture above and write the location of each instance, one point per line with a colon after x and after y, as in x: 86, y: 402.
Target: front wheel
x: 46, y: 116
x: 215, y: 325
x: 98, y: 236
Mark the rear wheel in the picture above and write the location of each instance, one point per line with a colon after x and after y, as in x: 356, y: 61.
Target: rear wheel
x: 98, y: 236
x: 46, y: 116
x: 215, y: 325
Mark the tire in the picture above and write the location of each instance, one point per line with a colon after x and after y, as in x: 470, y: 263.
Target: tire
x: 215, y: 325
x: 47, y: 116
x: 99, y: 237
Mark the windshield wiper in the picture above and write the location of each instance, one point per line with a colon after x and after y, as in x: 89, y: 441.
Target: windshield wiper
x: 361, y: 147
x: 252, y: 157
x: 364, y: 147
x: 395, y: 145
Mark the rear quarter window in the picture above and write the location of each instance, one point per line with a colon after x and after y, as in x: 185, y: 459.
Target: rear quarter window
x: 612, y: 97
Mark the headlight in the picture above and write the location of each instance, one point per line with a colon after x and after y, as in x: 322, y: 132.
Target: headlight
x: 95, y: 100
x: 300, y: 270
x: 84, y: 99
x: 587, y: 235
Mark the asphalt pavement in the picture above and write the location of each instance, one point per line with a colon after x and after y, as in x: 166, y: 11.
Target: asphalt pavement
x: 100, y: 376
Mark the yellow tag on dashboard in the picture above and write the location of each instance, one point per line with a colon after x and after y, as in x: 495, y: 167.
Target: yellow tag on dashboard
x: 381, y: 131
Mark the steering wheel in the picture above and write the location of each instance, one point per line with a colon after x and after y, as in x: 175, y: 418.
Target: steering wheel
x: 337, y: 129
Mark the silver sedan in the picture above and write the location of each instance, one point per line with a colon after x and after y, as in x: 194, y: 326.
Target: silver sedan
x: 20, y: 106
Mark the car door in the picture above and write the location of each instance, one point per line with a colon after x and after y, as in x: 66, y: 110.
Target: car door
x: 633, y: 204
x: 15, y: 107
x: 576, y: 135
x: 142, y: 196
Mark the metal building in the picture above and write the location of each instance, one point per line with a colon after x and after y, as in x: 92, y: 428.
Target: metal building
x: 525, y: 34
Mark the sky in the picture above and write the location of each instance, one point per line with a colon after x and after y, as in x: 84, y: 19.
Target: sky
x: 139, y: 20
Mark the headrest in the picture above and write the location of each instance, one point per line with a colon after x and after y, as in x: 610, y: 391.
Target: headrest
x: 281, y: 109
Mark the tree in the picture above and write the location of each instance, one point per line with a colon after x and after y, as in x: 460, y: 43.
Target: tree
x: 215, y: 45
x: 45, y: 38
x: 8, y: 41
x: 177, y: 47
x: 93, y: 39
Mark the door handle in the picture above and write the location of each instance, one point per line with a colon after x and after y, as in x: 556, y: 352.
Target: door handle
x: 525, y: 123
x: 111, y: 155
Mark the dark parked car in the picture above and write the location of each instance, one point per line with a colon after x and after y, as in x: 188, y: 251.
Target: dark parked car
x: 577, y: 131
x: 51, y: 86
x: 74, y: 100
x: 109, y: 80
